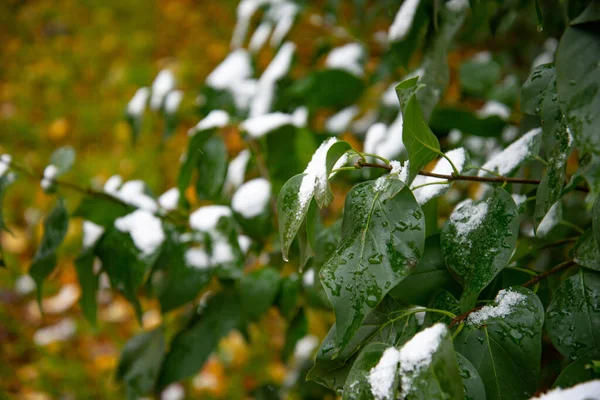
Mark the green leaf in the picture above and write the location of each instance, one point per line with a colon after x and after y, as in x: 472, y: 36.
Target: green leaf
x: 140, y: 361
x: 440, y: 378
x: 590, y: 14
x: 444, y: 119
x: 472, y: 383
x: 5, y: 181
x: 258, y: 291
x: 595, y: 221
x: 88, y: 281
x: 288, y: 295
x: 477, y: 77
x: 290, y: 212
x: 44, y: 261
x: 442, y: 300
x: 357, y: 384
x: 431, y: 274
x: 534, y: 88
x: 306, y: 236
x: 586, y: 251
x: 578, y: 371
x: 102, y: 210
x: 297, y: 329
x: 192, y: 346
x: 578, y: 84
x: 573, y: 316
x: 63, y: 158
x: 383, y: 235
x: 390, y: 323
x: 477, y: 241
x: 329, y: 88
x: 190, y: 160
x: 212, y: 168
x: 505, y: 348
x: 335, y: 152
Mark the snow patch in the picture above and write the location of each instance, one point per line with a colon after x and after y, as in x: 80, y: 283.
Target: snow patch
x: 550, y: 220
x: 169, y: 199
x: 308, y: 279
x: 513, y: 155
x: 214, y: 119
x: 25, y: 285
x: 260, y: 36
x: 252, y: 198
x: 163, y: 84
x: 145, y: 230
x: 340, y: 121
x: 91, y: 233
x: 348, y: 58
x: 443, y: 167
x: 50, y: 173
x: 137, y: 104
x: 504, y: 302
x: 467, y: 217
x: 403, y: 20
x: 305, y: 347
x: 237, y: 170
x: 60, y: 332
x: 494, y: 108
x: 234, y: 68
x: 381, y: 376
x: 584, y: 391
x: 132, y: 192
x: 206, y: 218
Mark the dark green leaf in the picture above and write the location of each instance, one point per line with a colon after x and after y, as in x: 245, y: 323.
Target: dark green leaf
x: 573, y: 316
x: 578, y: 84
x: 595, y: 221
x: 579, y: 370
x: 191, y: 159
x: 63, y: 158
x: 477, y: 77
x: 590, y: 14
x: 290, y: 212
x: 534, y: 88
x: 472, y: 383
x: 212, y: 168
x: 44, y: 261
x: 390, y: 323
x: 102, y: 210
x: 445, y: 119
x: 586, y: 251
x: 88, y: 280
x: 357, y: 384
x: 140, y: 361
x: 383, y: 235
x: 431, y: 274
x: 258, y: 291
x: 329, y: 88
x: 505, y: 347
x: 442, y: 300
x: 194, y: 344
x: 288, y: 295
x: 478, y: 240
x: 297, y: 329
x: 337, y: 150
x: 5, y: 181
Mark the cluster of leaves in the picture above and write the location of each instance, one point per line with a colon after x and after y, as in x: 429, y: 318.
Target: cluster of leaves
x: 388, y: 270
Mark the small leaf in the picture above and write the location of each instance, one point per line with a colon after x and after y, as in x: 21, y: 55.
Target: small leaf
x: 578, y: 371
x: 141, y: 360
x: 586, y: 251
x: 88, y: 280
x: 383, y: 235
x: 288, y: 295
x: 44, y: 261
x: 329, y: 88
x: 357, y: 384
x: 190, y: 160
x: 297, y: 329
x: 63, y: 158
x: 390, y: 323
x: 534, y: 88
x: 335, y: 152
x: 503, y: 342
x: 258, y: 291
x: 192, y: 346
x: 212, y: 168
x: 573, y: 317
x: 102, y: 210
x: 472, y: 383
x: 291, y: 210
x: 478, y: 75
x: 477, y: 241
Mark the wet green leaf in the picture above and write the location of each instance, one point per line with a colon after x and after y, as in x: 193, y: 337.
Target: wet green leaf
x: 586, y: 251
x: 534, y: 88
x: 472, y: 383
x: 337, y: 150
x: 390, y: 323
x: 212, y: 168
x: 140, y: 361
x: 44, y: 261
x: 88, y: 281
x: 506, y: 348
x: 357, y: 384
x: 258, y: 291
x: 477, y: 241
x: 190, y: 160
x: 288, y: 295
x: 291, y: 212
x: 573, y: 316
x: 578, y: 371
x: 383, y: 235
x: 442, y: 300
x: 192, y: 346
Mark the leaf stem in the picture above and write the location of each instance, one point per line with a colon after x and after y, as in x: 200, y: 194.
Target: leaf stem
x: 385, y: 160
x: 571, y: 225
x: 431, y: 183
x: 456, y: 172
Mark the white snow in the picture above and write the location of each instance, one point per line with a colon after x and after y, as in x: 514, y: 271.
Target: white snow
x: 418, y: 352
x: 375, y: 135
x: 132, y: 192
x: 457, y: 5
x: 504, y: 302
x: 205, y: 218
x: 315, y: 180
x: 420, y: 316
x: 443, y: 167
x: 277, y: 69
x: 482, y: 57
x: 24, y: 285
x: 172, y: 101
x: 467, y: 217
x: 308, y: 278
x: 263, y: 124
x: 111, y: 186
x: 260, y: 36
x: 348, y: 58
x: 519, y: 198
x: 513, y: 155
x: 401, y: 170
x: 305, y: 347
x: 5, y: 161
x: 243, y: 92
x: 550, y: 220
x: 454, y: 136
x: 50, y: 173
x: 494, y: 108
x: 214, y: 119
x: 63, y: 300
x: 235, y: 68
x: 221, y: 252
x: 163, y: 84
x: 237, y: 170
x: 245, y: 11
x: 389, y: 97
x: 284, y: 13
x: 169, y: 199
x: 340, y: 121
x: 91, y: 233
x: 60, y: 332
x: 300, y: 117
x: 145, y: 229
x: 589, y: 390
x: 137, y: 104
x: 509, y: 133
x: 385, y: 141
x: 403, y: 20
x: 244, y: 242
x: 252, y: 198
x: 197, y: 258
x: 381, y: 376
x: 174, y: 391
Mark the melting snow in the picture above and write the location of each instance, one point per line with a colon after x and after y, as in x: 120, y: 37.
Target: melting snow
x: 443, y: 167
x: 137, y: 104
x: 584, y: 391
x: 340, y: 121
x: 417, y: 354
x: 59, y: 332
x: 263, y: 124
x: 244, y: 242
x: 50, y: 173
x: 403, y: 20
x: 91, y: 233
x: 237, y: 170
x: 205, y: 218
x: 315, y: 180
x: 381, y: 376
x: 510, y: 158
x: 519, y: 199
x: 551, y: 219
x: 494, y: 108
x: 145, y: 230
x: 454, y: 136
x: 284, y: 13
x: 169, y: 199
x: 163, y: 84
x: 197, y: 258
x: 5, y: 160
x: 214, y: 119
x: 348, y: 57
x: 172, y: 101
x: 504, y: 302
x: 308, y: 279
x: 174, y: 391
x: 468, y: 216
x: 260, y: 36
x: 401, y: 170
x: 252, y: 198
